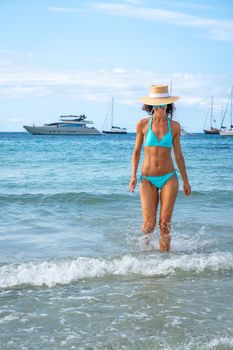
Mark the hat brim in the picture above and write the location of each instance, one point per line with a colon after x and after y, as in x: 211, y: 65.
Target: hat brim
x: 150, y: 101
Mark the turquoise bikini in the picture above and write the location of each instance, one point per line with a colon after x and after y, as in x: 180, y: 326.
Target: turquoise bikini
x: 152, y: 140
x: 166, y: 141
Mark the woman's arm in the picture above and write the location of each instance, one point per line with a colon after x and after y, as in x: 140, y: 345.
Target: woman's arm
x: 180, y: 159
x: 136, y: 155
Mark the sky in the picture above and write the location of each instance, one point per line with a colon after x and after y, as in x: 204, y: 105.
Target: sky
x: 60, y: 57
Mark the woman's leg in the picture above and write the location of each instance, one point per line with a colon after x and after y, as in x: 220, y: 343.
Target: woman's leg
x: 149, y: 203
x: 168, y: 196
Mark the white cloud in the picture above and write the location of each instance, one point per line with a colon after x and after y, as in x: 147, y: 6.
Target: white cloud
x: 119, y: 70
x: 189, y: 5
x: 214, y: 29
x: 135, y: 2
x: 64, y: 9
x: 5, y: 61
x: 29, y: 55
x: 99, y: 85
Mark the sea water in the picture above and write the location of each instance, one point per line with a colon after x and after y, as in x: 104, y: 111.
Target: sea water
x: 74, y: 270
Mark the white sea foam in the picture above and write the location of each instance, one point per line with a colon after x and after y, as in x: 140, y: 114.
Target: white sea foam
x: 181, y: 242
x: 223, y: 342
x: 50, y: 273
x: 194, y: 344
x: 226, y: 342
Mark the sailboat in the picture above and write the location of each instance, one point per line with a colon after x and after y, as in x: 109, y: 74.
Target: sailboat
x: 211, y: 130
x: 230, y: 131
x: 111, y: 129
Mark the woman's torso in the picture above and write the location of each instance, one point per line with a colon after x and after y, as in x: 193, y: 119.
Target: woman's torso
x: 157, y: 135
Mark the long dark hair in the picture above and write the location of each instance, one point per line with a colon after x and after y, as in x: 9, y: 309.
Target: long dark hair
x: 169, y: 110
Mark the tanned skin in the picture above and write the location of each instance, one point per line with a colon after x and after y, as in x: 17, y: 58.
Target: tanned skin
x: 157, y: 162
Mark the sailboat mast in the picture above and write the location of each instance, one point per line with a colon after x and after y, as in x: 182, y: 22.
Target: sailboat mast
x: 112, y: 114
x: 211, y: 113
x: 170, y: 92
x: 231, y: 107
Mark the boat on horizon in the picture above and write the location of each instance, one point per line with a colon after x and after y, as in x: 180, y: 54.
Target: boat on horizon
x: 212, y: 130
x: 183, y: 131
x: 108, y: 127
x: 67, y: 125
x: 228, y: 132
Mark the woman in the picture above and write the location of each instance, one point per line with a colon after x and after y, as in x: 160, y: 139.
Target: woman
x: 158, y: 181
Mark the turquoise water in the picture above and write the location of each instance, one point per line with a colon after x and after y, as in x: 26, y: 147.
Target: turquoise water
x: 74, y: 270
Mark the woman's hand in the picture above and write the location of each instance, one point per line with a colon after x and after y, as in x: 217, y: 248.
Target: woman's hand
x: 186, y: 188
x: 133, y: 183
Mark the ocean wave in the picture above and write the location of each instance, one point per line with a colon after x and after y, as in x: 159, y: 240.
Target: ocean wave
x: 50, y: 273
x: 94, y: 198
x: 62, y: 197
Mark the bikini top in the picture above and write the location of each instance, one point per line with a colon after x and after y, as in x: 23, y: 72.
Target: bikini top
x: 152, y: 140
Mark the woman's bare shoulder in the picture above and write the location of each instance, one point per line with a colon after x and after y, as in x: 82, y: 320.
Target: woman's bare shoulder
x: 142, y: 123
x: 175, y: 126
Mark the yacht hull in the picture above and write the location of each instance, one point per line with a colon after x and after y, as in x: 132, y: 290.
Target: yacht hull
x: 211, y: 132
x: 226, y: 133
x: 49, y: 130
x: 115, y: 132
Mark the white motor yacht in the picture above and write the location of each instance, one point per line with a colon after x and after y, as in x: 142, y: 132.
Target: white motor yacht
x: 68, y: 125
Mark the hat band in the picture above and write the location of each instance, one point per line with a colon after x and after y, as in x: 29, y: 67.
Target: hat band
x: 165, y: 94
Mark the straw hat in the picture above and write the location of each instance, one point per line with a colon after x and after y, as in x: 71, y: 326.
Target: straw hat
x: 158, y: 95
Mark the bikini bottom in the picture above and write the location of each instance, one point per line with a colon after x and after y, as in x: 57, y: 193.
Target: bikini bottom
x: 159, y: 181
